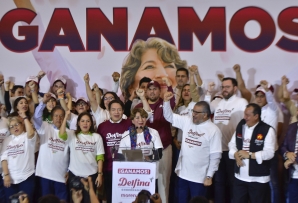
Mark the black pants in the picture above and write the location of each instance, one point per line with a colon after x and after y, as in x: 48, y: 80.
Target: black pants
x: 256, y: 192
x: 86, y: 197
x: 108, y: 185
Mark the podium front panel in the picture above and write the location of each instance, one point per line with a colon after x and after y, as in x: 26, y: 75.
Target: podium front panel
x: 129, y: 178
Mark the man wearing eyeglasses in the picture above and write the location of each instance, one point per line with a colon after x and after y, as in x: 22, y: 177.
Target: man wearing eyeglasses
x: 200, y: 148
x: 227, y: 114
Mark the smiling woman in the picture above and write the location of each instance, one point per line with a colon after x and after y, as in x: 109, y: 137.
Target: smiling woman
x: 154, y: 58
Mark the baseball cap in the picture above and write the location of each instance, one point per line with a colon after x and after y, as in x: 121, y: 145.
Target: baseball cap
x: 32, y: 78
x: 53, y: 96
x: 154, y: 83
x: 62, y: 79
x: 83, y: 99
x: 260, y: 89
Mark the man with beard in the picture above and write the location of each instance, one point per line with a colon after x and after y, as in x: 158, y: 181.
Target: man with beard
x: 227, y: 115
x: 159, y: 123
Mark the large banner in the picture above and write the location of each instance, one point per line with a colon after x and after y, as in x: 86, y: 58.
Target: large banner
x: 99, y: 37
x: 129, y: 178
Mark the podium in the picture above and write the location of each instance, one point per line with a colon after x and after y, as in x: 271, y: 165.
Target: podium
x: 133, y: 170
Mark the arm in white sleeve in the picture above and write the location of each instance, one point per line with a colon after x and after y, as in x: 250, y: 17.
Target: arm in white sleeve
x: 269, y: 147
x: 271, y: 101
x: 37, y: 118
x: 167, y: 111
x: 232, y: 147
x: 116, y: 86
x: 214, y: 160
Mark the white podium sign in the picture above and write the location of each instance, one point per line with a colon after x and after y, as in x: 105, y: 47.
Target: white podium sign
x: 129, y: 178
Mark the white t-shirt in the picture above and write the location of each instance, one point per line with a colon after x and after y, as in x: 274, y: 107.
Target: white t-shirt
x: 227, y: 115
x: 53, y: 158
x: 266, y: 154
x: 198, y: 142
x: 4, y: 132
x: 184, y: 111
x: 83, y: 152
x: 19, y: 153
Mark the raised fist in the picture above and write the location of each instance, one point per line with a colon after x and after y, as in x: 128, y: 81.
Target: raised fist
x: 236, y: 68
x: 285, y: 80
x: 86, y: 78
x: 140, y: 93
x: 167, y: 96
x: 116, y: 76
x: 41, y: 74
x: 166, y: 81
x: 60, y: 92
x: 32, y: 85
x: 194, y: 69
x: 220, y: 76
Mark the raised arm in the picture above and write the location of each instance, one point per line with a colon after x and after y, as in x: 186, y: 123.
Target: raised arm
x: 141, y: 95
x: 98, y: 93
x: 33, y: 92
x: 116, y: 77
x: 92, y: 100
x: 2, y: 89
x: 37, y: 117
x: 269, y: 96
x: 193, y: 70
x: 28, y: 125
x: 246, y: 94
x: 62, y: 129
x: 24, y: 4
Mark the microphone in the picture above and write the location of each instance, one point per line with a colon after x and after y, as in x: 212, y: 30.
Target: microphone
x: 114, y: 149
x: 153, y: 150
x: 141, y: 127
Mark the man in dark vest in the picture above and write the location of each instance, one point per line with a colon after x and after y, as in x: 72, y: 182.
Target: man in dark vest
x: 252, y: 146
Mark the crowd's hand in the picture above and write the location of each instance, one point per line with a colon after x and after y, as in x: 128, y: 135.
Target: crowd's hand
x: 98, y: 180
x: 140, y: 93
x: 76, y: 195
x: 60, y: 93
x: 207, y: 181
x: 3, y: 107
x: 67, y: 113
x: 86, y: 184
x: 41, y: 74
x: 156, y: 198
x: 264, y: 84
x: 7, y: 84
x: 1, y: 80
x: 177, y: 143
x: 96, y: 88
x: 86, y: 78
x: 236, y: 68
x: 238, y: 159
x: 46, y: 98
x: 66, y: 178
x: 193, y: 70
x: 32, y: 85
x: 132, y: 93
x: 220, y: 76
x: 11, y: 85
x: 116, y: 76
x: 211, y: 86
x: 166, y: 81
x: 23, y: 198
x: 7, y: 181
x: 291, y: 156
x: 22, y: 114
x: 243, y: 154
x: 288, y: 163
x: 285, y: 80
x: 68, y: 96
x: 168, y: 96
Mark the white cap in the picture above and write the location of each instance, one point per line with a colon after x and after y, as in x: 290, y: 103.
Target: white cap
x: 62, y: 79
x: 32, y: 78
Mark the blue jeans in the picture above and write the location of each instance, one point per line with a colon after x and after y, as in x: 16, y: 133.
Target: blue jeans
x: 274, y: 185
x: 27, y: 186
x: 223, y: 179
x: 185, y: 186
x: 293, y: 190
x: 55, y: 188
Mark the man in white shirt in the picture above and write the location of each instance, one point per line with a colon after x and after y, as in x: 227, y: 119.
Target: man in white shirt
x: 227, y: 114
x: 200, y: 148
x: 252, y: 146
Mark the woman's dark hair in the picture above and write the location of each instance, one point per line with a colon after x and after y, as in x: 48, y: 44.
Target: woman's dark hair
x: 55, y: 109
x: 134, y: 112
x: 117, y: 101
x: 15, y: 104
x: 45, y: 114
x: 102, y: 104
x: 78, y: 130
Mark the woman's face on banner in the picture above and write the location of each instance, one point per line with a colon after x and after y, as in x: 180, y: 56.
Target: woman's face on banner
x: 153, y: 67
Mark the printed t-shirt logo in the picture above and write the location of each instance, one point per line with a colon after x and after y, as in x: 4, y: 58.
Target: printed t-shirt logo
x: 259, y: 137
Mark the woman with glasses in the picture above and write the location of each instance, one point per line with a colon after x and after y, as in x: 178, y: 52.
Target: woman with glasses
x: 17, y: 157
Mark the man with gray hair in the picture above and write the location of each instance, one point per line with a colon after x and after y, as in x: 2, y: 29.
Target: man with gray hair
x: 201, y: 138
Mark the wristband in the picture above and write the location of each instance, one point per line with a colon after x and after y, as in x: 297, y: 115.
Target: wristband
x: 25, y: 118
x: 6, y: 174
x: 100, y: 173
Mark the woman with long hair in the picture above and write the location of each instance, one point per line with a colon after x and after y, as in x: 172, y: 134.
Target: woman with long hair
x: 86, y: 153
